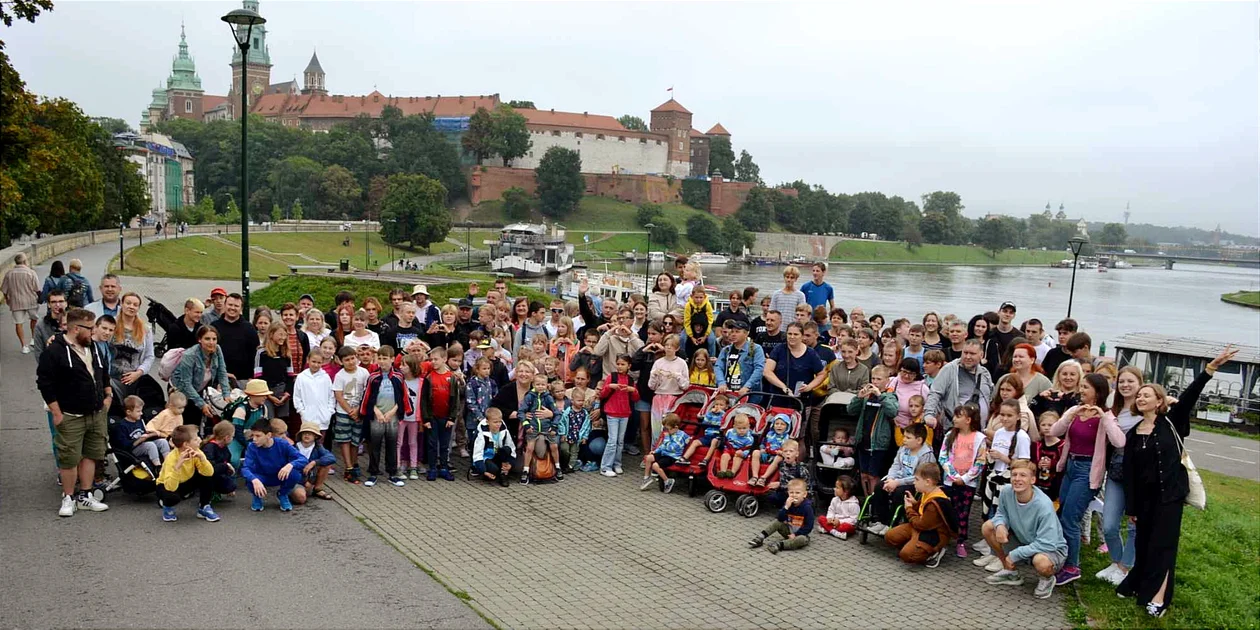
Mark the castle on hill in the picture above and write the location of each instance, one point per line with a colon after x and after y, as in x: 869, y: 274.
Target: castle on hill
x: 670, y: 147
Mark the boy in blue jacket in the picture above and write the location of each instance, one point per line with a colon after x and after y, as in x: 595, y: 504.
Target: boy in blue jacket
x: 271, y: 462
x: 319, y: 461
x: 669, y: 451
x: 794, y: 523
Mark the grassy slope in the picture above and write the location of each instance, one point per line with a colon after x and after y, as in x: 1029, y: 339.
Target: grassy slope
x: 198, y: 257
x: 876, y: 251
x: 326, y: 246
x: 1217, y: 564
x: 325, y: 288
x: 595, y: 215
x: 1243, y: 298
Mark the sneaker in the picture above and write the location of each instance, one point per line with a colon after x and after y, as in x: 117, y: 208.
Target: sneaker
x: 87, y: 501
x: 1102, y: 548
x: 26, y: 349
x: 879, y: 529
x: 934, y: 560
x: 524, y: 479
x: 1156, y: 610
x: 413, y: 474
x: 961, y: 551
x: 206, y: 512
x: 1067, y: 575
x: 648, y: 482
x: 838, y: 534
x: 669, y: 485
x: 775, y: 547
x: 982, y: 546
x: 503, y: 480
x: 993, y: 565
x: 446, y: 474
x: 1045, y: 588
x: 397, y: 481
x: 1005, y: 577
x: 431, y: 475
x: 67, y: 506
x: 757, y: 541
x: 683, y: 461
x: 590, y: 467
x: 608, y: 473
x: 843, y: 536
x: 983, y: 560
x: 559, y: 475
x: 168, y: 515
x: 618, y: 470
x: 1105, y: 574
x: 285, y: 504
x: 257, y: 505
x: 632, y: 451
x: 371, y: 481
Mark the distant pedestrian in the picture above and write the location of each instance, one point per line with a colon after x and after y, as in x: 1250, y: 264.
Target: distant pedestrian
x: 78, y: 289
x: 20, y: 289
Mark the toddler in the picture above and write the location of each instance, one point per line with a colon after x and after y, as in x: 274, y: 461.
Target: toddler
x: 768, y: 452
x: 794, y: 522
x: 738, y: 445
x: 319, y: 462
x: 539, y: 422
x: 218, y: 450
x: 130, y: 433
x: 842, y: 514
x: 576, y: 425
x: 163, y: 424
x: 915, y: 407
x: 493, y: 450
x: 709, y: 431
x: 838, y: 453
x: 1046, y: 454
x: 186, y: 470
x: 791, y: 468
x: 668, y: 451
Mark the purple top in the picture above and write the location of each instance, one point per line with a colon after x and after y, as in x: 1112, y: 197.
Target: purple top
x: 1083, y: 433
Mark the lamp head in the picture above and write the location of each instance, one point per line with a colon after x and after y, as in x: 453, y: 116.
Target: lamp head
x: 1077, y: 243
x: 246, y: 18
x: 650, y: 226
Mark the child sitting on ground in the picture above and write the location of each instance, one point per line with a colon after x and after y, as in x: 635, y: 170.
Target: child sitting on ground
x: 842, y: 514
x: 129, y: 433
x: 271, y: 462
x: 709, y: 431
x: 962, y: 460
x: 493, y: 449
x: 735, y: 447
x: 538, y: 422
x: 915, y: 406
x: 768, y: 453
x: 670, y: 448
x: 794, y: 522
x: 319, y: 461
x: 186, y: 470
x: 791, y: 468
x: 163, y: 424
x: 218, y: 450
x: 900, y: 477
x: 481, y: 390
x: 838, y: 453
x: 930, y: 520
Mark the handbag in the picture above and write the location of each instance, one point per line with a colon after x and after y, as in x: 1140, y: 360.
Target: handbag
x: 1197, y: 495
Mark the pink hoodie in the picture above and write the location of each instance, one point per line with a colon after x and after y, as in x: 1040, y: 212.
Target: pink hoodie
x: 904, y: 392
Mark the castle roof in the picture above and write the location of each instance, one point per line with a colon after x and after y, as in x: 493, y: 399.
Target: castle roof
x: 314, y: 66
x: 717, y: 130
x: 584, y: 120
x: 339, y: 106
x: 211, y: 101
x: 183, y: 69
x: 285, y: 87
x: 694, y: 133
x: 671, y: 106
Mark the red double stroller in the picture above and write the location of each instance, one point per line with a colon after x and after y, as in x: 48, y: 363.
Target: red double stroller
x: 747, y: 497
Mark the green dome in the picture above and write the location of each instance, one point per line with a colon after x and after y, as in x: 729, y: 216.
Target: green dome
x: 159, y: 98
x: 183, y: 69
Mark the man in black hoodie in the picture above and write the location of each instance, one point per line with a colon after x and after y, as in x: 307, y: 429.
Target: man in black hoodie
x: 73, y: 379
x: 237, y: 339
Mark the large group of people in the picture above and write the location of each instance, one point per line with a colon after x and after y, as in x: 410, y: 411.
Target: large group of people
x: 937, y: 410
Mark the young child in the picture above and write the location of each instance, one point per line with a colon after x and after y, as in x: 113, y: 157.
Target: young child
x: 933, y: 361
x: 735, y: 447
x: 587, y: 359
x: 930, y: 520
x: 218, y: 450
x: 367, y: 358
x: 1008, y: 443
x: 914, y: 346
x: 129, y: 433
x: 271, y: 462
x: 581, y: 384
x: 791, y: 468
x: 409, y: 423
x: 186, y: 470
x: 962, y: 460
x: 667, y: 452
x: 163, y: 424
x: 794, y: 522
x: 698, y: 308
x: 875, y: 409
x: 900, y: 478
x: 1046, y: 454
x: 838, y: 453
x: 710, y: 430
x: 617, y: 397
x: 576, y: 430
x: 332, y: 363
x: 842, y: 513
x: 690, y: 280
x: 347, y: 426
x: 915, y: 405
x: 539, y: 422
x: 385, y: 400
x: 563, y: 422
x: 493, y: 450
x: 313, y: 392
x: 319, y: 461
x: 441, y: 403
x: 702, y: 369
x: 768, y: 452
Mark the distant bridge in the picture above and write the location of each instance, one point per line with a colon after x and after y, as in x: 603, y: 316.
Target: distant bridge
x: 1195, y: 255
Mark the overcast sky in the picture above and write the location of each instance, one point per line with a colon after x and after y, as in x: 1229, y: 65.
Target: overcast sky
x: 1009, y: 104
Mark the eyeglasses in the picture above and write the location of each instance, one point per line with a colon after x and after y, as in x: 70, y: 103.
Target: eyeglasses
x: 84, y: 326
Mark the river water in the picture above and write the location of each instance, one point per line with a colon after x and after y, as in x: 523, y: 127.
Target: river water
x: 1184, y: 301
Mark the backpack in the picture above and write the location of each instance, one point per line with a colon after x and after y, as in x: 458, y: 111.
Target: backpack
x: 170, y: 361
x: 76, y: 293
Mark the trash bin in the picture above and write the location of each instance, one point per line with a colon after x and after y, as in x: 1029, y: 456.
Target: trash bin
x: 345, y: 264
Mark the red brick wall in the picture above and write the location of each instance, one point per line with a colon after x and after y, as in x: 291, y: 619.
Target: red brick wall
x: 488, y: 183
x: 725, y: 197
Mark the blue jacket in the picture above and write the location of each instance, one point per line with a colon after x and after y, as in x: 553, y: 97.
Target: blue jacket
x: 672, y: 444
x: 321, y: 456
x: 741, y: 444
x: 799, y: 518
x: 191, y: 367
x: 264, y: 463
x: 751, y: 363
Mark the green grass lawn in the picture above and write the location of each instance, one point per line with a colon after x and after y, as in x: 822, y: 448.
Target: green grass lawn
x: 1243, y: 298
x: 327, y: 246
x: 876, y: 251
x: 198, y: 257
x: 325, y: 288
x: 1218, y: 564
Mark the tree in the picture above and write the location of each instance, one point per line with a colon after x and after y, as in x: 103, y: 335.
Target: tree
x: 722, y: 157
x: 648, y: 213
x: 756, y: 211
x: 947, y: 224
x: 295, y: 178
x: 509, y: 138
x: 339, y: 193
x: 22, y: 10
x: 994, y: 234
x: 1113, y: 234
x: 521, y: 104
x: 203, y: 212
x: 745, y: 169
x: 516, y: 203
x: 477, y: 140
x: 375, y: 195
x: 695, y: 193
x: 913, y: 237
x: 934, y: 228
x: 666, y: 234
x: 295, y: 212
x: 414, y: 210
x: 559, y: 181
x: 734, y: 237
x: 703, y: 231
x: 233, y: 214
x: 633, y: 123
x: 276, y: 215
x: 113, y: 125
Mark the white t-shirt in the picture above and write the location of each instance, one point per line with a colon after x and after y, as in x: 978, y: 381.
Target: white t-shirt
x: 1002, y: 444
x: 351, y: 385
x: 413, y: 391
x: 369, y: 339
x: 305, y: 450
x: 1042, y: 349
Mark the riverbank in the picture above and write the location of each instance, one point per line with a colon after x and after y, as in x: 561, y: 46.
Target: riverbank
x: 1249, y: 299
x: 864, y: 252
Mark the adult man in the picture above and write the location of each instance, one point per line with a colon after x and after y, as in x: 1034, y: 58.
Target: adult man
x: 553, y: 323
x: 960, y: 381
x: 214, y: 308
x: 53, y: 323
x: 1025, y: 527
x: 20, y: 288
x: 405, y: 331
x: 1035, y: 335
x: 740, y: 364
x: 426, y: 313
x: 1006, y: 331
x: 78, y: 289
x: 590, y: 320
x: 304, y: 304
x: 773, y: 335
x: 957, y: 334
x: 1058, y: 354
x: 73, y: 379
x: 809, y: 334
x: 733, y: 311
x: 237, y: 339
x: 396, y: 298
x: 618, y: 340
x: 109, y: 303
x: 500, y: 287
x: 817, y: 292
x: 464, y: 323
x: 533, y: 325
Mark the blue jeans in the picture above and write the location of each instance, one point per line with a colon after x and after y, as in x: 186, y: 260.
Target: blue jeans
x: 1113, y: 517
x: 616, y: 442
x: 437, y: 450
x: 1074, y: 497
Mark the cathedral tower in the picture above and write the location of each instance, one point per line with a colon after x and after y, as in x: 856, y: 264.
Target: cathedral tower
x: 256, y: 70
x: 313, y: 77
x: 183, y: 88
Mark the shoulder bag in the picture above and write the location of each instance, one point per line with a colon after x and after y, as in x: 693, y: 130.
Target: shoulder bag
x: 1197, y: 496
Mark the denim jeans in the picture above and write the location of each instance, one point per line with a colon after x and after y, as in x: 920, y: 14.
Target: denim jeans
x: 438, y: 445
x: 616, y: 441
x: 1074, y: 497
x: 1122, y: 550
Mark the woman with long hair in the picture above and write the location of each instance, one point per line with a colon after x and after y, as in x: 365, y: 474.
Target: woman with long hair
x: 1121, y: 549
x: 980, y: 328
x: 132, y: 350
x: 56, y: 280
x: 1064, y: 391
x: 520, y: 312
x: 273, y: 365
x: 662, y: 299
x: 932, y: 339
x: 345, y: 323
x: 262, y: 321
x: 564, y: 346
x: 200, y: 367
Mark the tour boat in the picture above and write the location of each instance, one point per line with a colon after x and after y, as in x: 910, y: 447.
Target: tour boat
x: 528, y: 250
x: 706, y: 258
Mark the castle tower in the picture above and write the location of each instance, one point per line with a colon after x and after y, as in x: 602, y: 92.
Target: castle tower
x: 256, y: 70
x: 672, y: 119
x: 183, y: 88
x: 313, y: 77
x: 156, y: 112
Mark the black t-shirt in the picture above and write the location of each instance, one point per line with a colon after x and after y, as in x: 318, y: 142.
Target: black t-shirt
x: 1004, y: 338
x: 795, y: 370
x: 726, y: 314
x: 378, y: 327
x: 769, y: 342
x: 734, y: 376
x: 398, y: 337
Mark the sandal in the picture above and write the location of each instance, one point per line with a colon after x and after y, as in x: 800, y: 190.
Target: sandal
x: 323, y: 494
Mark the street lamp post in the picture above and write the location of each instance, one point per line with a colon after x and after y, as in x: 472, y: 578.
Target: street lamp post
x: 242, y: 23
x: 121, y: 264
x: 1076, y: 243
x: 467, y: 245
x: 647, y: 262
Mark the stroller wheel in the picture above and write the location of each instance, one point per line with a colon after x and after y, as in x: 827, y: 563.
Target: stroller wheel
x: 715, y: 500
x: 99, y: 494
x: 747, y: 505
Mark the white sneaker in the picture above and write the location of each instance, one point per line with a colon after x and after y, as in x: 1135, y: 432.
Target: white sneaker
x: 608, y: 473
x: 1105, y: 574
x: 983, y: 561
x: 618, y: 470
x: 982, y: 546
x: 90, y: 503
x: 67, y: 506
x: 1113, y: 574
x: 994, y: 565
x: 648, y: 482
x: 26, y: 349
x: 838, y: 534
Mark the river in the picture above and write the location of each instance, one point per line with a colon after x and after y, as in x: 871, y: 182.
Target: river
x: 1184, y: 301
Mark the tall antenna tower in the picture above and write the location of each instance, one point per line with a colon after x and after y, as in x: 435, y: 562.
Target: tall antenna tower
x: 1126, y: 214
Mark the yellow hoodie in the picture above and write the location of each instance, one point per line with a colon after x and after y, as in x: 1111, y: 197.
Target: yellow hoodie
x: 173, y: 475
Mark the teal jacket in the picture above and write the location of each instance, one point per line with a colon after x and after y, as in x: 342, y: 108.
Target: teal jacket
x: 881, y: 425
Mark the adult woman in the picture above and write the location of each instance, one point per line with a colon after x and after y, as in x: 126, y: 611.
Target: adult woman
x: 361, y: 336
x: 1156, y: 485
x: 1024, y: 365
x: 373, y: 308
x: 932, y: 339
x: 1064, y: 390
x: 662, y: 299
x: 564, y: 347
x: 1121, y: 550
x: 671, y: 326
x: 183, y: 334
x: 201, y: 366
x: 508, y: 400
x: 1086, y: 428
x: 865, y: 353
x: 908, y: 384
x: 443, y: 333
x: 345, y: 323
x: 315, y: 328
x: 273, y: 365
x: 520, y: 312
x: 262, y: 321
x: 796, y: 370
x: 639, y: 325
x: 979, y: 328
x: 56, y: 280
x: 132, y: 348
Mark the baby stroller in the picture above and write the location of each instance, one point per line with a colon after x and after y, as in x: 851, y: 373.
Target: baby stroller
x: 160, y: 316
x: 830, y: 461
x: 135, y: 476
x: 747, y: 502
x: 690, y: 408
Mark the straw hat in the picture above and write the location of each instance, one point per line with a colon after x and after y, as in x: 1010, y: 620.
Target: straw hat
x: 420, y: 289
x: 309, y: 427
x: 257, y: 387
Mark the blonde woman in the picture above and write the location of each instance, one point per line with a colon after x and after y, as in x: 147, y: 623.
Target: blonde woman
x: 360, y: 335
x: 442, y: 332
x: 315, y: 328
x: 1064, y: 392
x: 132, y: 343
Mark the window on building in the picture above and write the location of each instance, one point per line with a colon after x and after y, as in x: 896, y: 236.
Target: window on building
x: 658, y: 143
x: 187, y: 107
x: 680, y: 146
x: 642, y: 140
x: 555, y: 133
x: 577, y: 135
x: 599, y: 136
x: 621, y: 138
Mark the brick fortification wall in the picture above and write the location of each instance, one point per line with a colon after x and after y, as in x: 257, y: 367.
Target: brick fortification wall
x: 725, y: 197
x: 488, y: 183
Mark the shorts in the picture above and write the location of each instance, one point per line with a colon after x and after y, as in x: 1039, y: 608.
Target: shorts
x: 767, y: 457
x: 873, y: 462
x: 531, y: 433
x: 346, y: 430
x: 709, y: 436
x: 81, y: 437
x: 1058, y: 558
x: 22, y: 314
x: 643, y: 406
x: 664, y: 460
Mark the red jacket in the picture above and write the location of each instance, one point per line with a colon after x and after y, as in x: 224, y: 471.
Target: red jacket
x: 618, y: 403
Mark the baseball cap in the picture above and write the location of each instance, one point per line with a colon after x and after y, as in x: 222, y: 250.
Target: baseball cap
x: 465, y: 303
x: 737, y: 324
x: 307, y: 296
x: 218, y: 291
x: 1006, y: 305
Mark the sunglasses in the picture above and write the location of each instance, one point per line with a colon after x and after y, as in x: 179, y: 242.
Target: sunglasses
x: 557, y: 310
